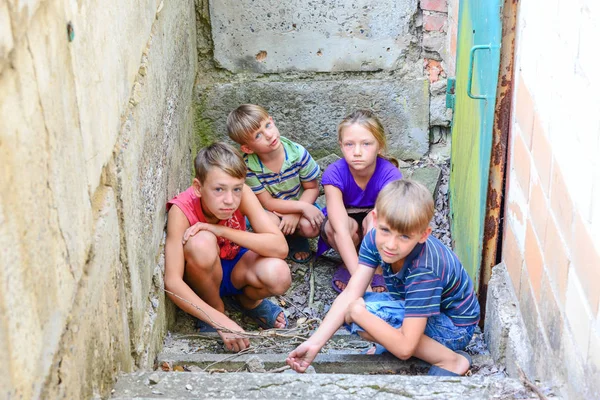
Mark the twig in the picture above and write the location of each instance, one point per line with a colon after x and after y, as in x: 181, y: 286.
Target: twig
x: 280, y: 369
x: 530, y: 384
x: 311, y: 295
x: 231, y: 357
x: 293, y: 305
x: 265, y: 334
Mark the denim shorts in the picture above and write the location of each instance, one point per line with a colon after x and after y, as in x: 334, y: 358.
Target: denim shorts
x: 439, y: 327
x: 227, y: 288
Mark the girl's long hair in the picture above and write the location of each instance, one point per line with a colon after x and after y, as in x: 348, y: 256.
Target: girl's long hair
x: 368, y: 120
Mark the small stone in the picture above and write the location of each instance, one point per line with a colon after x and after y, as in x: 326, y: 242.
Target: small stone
x: 255, y: 364
x: 154, y: 378
x: 157, y: 392
x: 188, y: 387
x: 155, y: 303
x: 136, y: 96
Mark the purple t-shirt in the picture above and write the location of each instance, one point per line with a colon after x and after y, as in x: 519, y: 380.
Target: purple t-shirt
x: 338, y: 174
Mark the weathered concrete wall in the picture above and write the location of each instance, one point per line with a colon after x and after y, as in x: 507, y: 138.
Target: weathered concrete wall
x: 308, y: 112
x: 94, y: 136
x: 307, y: 35
x: 551, y: 243
x: 311, y: 63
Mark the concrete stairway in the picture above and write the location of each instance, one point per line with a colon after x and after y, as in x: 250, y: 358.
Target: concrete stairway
x: 192, y: 366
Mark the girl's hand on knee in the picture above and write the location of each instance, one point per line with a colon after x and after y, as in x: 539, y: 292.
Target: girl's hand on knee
x: 353, y: 308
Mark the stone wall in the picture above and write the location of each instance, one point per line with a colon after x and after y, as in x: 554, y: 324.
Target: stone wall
x: 95, y: 122
x: 312, y: 63
x: 551, y: 243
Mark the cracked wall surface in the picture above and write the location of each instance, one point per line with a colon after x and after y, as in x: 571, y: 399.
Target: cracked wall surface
x: 95, y: 126
x: 312, y: 63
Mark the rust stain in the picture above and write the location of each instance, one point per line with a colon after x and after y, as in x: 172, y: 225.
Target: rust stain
x: 496, y: 184
x: 489, y: 228
x: 261, y: 55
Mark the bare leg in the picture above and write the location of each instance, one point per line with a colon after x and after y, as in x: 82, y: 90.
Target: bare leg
x: 261, y: 277
x: 203, y: 272
x: 353, y: 229
x: 434, y: 353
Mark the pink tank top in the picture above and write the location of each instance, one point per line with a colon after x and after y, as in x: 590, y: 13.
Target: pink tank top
x: 189, y: 203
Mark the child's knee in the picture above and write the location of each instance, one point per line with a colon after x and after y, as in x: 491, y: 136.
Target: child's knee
x: 307, y: 229
x: 279, y: 277
x: 201, y: 250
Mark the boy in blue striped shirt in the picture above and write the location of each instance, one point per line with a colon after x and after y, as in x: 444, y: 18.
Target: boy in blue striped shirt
x: 281, y: 173
x: 430, y: 311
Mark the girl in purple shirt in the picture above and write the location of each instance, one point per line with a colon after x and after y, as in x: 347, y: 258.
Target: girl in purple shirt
x: 351, y: 188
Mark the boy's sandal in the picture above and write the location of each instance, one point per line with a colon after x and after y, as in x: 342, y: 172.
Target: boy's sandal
x: 340, y: 275
x: 204, y: 327
x: 266, y: 310
x: 298, y: 244
x: 379, y: 349
x: 378, y: 281
x: 438, y: 371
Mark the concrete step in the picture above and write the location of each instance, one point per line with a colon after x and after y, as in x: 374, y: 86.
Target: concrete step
x: 198, y: 385
x: 340, y: 355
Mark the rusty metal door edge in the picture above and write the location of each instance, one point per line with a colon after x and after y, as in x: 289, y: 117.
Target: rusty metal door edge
x: 492, y: 231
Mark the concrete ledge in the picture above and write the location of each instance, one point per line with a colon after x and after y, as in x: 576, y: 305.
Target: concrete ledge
x: 505, y: 332
x: 324, y: 363
x: 188, y: 385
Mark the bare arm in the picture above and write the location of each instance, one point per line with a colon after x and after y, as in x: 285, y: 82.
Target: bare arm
x: 266, y: 240
x: 338, y: 218
x: 308, y: 197
x: 174, y: 268
x: 300, y: 358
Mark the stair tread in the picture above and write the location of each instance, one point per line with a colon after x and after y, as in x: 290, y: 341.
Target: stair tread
x: 201, y: 385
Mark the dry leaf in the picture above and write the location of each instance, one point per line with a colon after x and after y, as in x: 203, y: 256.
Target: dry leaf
x: 165, y: 366
x: 178, y: 368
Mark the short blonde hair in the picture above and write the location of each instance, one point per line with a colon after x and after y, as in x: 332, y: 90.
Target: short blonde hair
x: 368, y: 120
x: 244, y: 121
x: 220, y: 155
x: 406, y: 206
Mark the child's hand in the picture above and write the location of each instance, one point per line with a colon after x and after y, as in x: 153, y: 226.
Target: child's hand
x: 289, y: 223
x: 300, y: 358
x: 233, y: 342
x: 192, y: 230
x: 353, y: 309
x: 313, y: 215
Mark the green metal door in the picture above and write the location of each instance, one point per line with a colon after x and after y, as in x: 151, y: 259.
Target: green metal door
x: 477, y: 63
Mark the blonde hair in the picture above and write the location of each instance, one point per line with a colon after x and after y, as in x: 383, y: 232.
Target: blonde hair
x: 368, y: 120
x: 244, y: 121
x: 220, y: 155
x: 406, y: 205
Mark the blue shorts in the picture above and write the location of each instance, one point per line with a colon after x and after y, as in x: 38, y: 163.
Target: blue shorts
x: 439, y: 327
x: 227, y: 288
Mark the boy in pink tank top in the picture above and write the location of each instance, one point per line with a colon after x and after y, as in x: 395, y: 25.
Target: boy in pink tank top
x: 209, y: 255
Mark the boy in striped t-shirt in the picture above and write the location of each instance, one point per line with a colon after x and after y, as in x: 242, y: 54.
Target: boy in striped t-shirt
x: 430, y: 311
x: 281, y: 173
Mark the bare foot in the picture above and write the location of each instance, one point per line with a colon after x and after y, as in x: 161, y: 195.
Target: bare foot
x: 279, y: 322
x: 341, y: 285
x: 301, y: 255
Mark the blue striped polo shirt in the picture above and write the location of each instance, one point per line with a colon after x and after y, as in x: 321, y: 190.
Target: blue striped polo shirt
x: 432, y: 281
x: 286, y: 184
